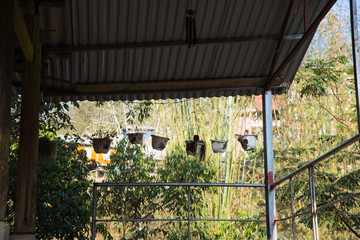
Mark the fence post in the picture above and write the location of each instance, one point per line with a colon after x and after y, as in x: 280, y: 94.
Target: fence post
x: 313, y: 203
x: 269, y: 165
x: 93, y: 221
x: 189, y: 235
x: 355, y: 53
x: 292, y: 209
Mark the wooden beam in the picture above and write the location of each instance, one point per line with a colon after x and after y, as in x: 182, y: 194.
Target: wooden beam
x: 174, y: 85
x: 26, y: 186
x: 22, y: 33
x: 6, y: 72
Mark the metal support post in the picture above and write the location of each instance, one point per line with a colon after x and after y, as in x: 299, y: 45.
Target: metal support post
x: 93, y: 221
x: 356, y: 57
x: 292, y: 209
x: 189, y: 235
x: 313, y: 203
x: 269, y: 166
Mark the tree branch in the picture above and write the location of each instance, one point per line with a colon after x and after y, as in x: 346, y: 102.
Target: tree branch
x: 338, y: 99
x: 333, y: 115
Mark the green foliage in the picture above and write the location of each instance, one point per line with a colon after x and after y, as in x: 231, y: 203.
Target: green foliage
x: 330, y: 185
x: 317, y: 75
x: 130, y: 164
x: 240, y: 230
x: 63, y: 200
x: 52, y: 118
x: 138, y: 111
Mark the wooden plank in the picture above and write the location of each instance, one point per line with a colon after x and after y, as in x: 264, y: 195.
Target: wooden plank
x: 26, y: 188
x: 22, y: 33
x: 6, y: 72
x: 174, y: 85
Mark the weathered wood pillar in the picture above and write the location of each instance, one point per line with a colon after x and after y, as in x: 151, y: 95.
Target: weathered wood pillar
x: 26, y: 186
x: 6, y: 70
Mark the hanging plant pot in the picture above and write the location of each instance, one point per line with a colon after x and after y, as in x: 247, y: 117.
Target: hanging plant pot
x: 248, y: 142
x: 193, y: 148
x: 135, y: 138
x: 101, y: 145
x: 218, y: 146
x: 47, y: 150
x: 159, y: 143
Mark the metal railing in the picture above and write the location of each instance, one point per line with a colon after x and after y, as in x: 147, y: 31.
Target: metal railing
x: 187, y: 185
x: 310, y: 167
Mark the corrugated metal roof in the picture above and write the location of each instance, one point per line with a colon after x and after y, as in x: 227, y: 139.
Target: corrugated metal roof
x: 100, y: 23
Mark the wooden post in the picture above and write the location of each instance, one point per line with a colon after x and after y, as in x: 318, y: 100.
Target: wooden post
x: 26, y: 188
x: 6, y: 71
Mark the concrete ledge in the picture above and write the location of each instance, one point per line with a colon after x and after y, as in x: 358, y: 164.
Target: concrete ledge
x: 4, y: 231
x: 25, y: 236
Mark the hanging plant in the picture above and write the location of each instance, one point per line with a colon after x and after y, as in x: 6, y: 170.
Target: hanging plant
x: 135, y: 138
x: 195, y: 147
x: 102, y: 140
x: 247, y: 141
x: 158, y: 142
x: 219, y: 146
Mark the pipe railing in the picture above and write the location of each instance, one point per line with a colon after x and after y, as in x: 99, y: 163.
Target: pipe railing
x: 314, y: 207
x: 187, y: 185
x: 324, y: 205
x: 319, y: 159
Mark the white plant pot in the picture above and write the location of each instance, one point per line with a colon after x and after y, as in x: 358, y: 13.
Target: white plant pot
x: 248, y: 142
x: 218, y: 146
x: 193, y: 148
x: 135, y: 138
x: 101, y: 145
x: 159, y: 143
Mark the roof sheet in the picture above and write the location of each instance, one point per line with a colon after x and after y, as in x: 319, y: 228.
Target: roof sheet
x: 125, y: 41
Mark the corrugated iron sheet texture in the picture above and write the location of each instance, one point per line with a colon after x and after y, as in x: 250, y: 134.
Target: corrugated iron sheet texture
x: 97, y: 22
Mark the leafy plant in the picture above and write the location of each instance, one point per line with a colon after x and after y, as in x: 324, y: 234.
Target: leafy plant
x: 130, y: 164
x: 138, y: 111
x: 63, y: 200
x: 63, y: 208
x: 101, y: 134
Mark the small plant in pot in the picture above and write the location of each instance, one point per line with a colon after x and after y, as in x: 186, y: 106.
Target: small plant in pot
x: 219, y: 146
x: 248, y: 141
x: 195, y: 147
x: 47, y: 149
x: 101, y: 141
x: 158, y: 142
